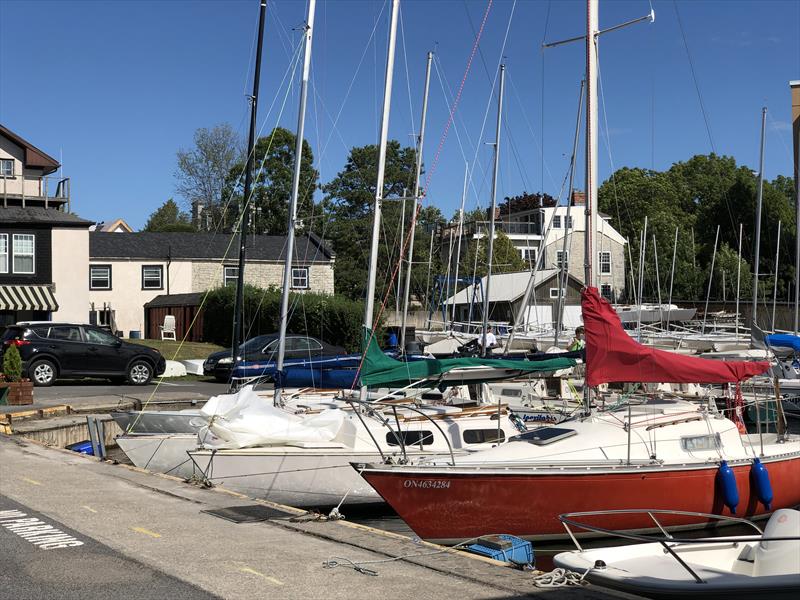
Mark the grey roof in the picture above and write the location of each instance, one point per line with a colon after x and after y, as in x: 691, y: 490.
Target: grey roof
x: 191, y: 299
x: 210, y: 246
x: 41, y: 216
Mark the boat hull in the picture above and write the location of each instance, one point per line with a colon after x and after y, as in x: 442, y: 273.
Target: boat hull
x: 450, y: 506
x: 161, y: 453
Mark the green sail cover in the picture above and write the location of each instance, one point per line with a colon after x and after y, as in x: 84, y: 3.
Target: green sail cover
x: 384, y: 371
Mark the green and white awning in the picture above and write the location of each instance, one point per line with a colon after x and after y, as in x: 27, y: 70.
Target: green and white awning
x: 27, y: 297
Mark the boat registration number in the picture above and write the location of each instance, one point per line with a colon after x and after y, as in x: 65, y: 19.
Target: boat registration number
x: 432, y: 484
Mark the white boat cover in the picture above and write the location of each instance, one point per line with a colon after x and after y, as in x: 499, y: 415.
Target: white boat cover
x: 244, y: 419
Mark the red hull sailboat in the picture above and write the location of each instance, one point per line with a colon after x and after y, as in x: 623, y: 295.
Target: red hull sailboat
x: 658, y: 455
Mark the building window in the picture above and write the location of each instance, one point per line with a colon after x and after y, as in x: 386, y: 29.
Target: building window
x: 300, y: 278
x: 3, y: 253
x: 605, y: 262
x: 554, y: 293
x: 230, y: 275
x: 152, y: 277
x: 6, y: 167
x: 557, y: 222
x: 568, y: 222
x: 528, y: 254
x: 100, y: 277
x: 562, y: 259
x: 24, y: 253
x: 606, y: 291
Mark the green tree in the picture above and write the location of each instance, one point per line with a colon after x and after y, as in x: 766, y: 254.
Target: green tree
x: 273, y: 169
x: 348, y: 204
x: 505, y: 257
x: 168, y: 217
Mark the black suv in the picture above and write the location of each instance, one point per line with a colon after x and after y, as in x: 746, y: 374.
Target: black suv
x: 53, y: 351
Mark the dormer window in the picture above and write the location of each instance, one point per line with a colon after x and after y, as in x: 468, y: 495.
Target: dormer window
x: 6, y: 167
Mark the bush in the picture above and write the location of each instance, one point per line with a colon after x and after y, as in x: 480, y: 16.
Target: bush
x: 333, y: 319
x: 12, y: 364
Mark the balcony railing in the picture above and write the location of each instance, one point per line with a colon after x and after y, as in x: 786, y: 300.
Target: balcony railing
x: 33, y: 190
x: 508, y: 227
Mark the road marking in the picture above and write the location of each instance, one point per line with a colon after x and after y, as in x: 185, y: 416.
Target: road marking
x: 89, y: 508
x: 146, y: 532
x: 272, y: 580
x: 36, y: 531
x: 31, y: 481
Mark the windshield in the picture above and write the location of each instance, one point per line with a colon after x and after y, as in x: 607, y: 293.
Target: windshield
x: 254, y: 344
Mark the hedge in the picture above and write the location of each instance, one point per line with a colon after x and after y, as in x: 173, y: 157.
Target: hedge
x: 331, y: 318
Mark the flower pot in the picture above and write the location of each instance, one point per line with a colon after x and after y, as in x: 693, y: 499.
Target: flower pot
x: 19, y: 392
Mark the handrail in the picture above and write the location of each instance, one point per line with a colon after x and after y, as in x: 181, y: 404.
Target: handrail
x: 566, y: 520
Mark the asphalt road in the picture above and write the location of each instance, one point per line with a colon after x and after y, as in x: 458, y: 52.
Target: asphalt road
x: 42, y: 558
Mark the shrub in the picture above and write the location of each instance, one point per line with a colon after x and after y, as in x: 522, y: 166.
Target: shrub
x: 333, y: 319
x: 12, y: 364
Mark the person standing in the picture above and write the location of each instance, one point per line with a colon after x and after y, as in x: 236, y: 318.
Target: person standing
x: 579, y: 341
x: 488, y: 341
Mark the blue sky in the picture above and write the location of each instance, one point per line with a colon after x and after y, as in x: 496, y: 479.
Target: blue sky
x: 116, y: 88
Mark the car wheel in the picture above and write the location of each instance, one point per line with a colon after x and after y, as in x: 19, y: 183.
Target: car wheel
x: 140, y: 373
x: 43, y: 373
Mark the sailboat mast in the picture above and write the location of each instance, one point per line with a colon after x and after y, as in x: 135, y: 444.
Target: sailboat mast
x: 591, y: 140
x: 369, y: 301
x: 795, y: 87
x: 458, y: 244
x: 775, y: 280
x: 238, y: 321
x: 298, y: 161
x: 415, y: 208
x: 672, y: 276
x: 485, y: 325
x: 758, y: 218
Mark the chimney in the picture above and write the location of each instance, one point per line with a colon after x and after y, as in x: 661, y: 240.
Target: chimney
x: 578, y: 198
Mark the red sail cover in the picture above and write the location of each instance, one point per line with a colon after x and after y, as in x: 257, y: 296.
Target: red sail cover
x: 614, y: 356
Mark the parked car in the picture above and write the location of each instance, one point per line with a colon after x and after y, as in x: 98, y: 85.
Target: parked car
x: 265, y: 348
x: 52, y: 351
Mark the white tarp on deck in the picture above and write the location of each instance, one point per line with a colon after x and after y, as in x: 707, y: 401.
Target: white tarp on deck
x: 245, y: 419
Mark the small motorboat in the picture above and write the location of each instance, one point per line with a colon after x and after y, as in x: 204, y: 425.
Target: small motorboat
x: 763, y: 565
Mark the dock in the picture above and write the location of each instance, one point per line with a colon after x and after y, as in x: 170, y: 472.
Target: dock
x: 122, y: 532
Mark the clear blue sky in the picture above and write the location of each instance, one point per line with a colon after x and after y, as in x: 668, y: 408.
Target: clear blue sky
x: 117, y: 87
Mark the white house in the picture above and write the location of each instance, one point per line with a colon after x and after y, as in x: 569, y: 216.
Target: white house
x: 44, y: 249
x: 128, y: 270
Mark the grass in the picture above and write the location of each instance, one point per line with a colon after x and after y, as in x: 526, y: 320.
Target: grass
x: 188, y: 350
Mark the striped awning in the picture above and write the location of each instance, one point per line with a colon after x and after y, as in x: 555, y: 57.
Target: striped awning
x: 27, y: 297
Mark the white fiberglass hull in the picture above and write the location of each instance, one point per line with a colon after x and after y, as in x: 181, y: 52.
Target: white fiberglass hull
x: 299, y: 478
x: 161, y: 453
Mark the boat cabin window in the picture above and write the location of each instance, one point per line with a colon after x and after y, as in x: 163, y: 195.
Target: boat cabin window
x: 511, y: 392
x: 701, y: 442
x: 483, y: 436
x: 544, y: 435
x: 409, y: 438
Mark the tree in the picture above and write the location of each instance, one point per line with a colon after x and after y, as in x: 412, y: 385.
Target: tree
x: 203, y: 169
x: 273, y: 169
x: 505, y: 256
x: 348, y: 202
x: 168, y: 217
x: 526, y: 201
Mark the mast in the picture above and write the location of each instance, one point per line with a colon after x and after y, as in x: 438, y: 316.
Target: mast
x: 758, y: 218
x: 417, y: 176
x: 460, y: 234
x: 738, y: 279
x: 710, y: 279
x: 592, y: 20
x: 485, y: 326
x: 369, y: 301
x: 795, y: 87
x: 775, y: 283
x: 298, y: 160
x: 642, y: 258
x: 238, y: 321
x: 562, y: 280
x: 672, y: 276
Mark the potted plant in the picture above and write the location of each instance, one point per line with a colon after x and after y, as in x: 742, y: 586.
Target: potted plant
x: 20, y: 391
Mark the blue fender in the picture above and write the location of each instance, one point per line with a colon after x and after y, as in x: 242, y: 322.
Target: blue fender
x: 759, y: 480
x: 726, y: 480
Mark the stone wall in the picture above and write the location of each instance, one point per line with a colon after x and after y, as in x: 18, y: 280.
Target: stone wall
x: 207, y: 275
